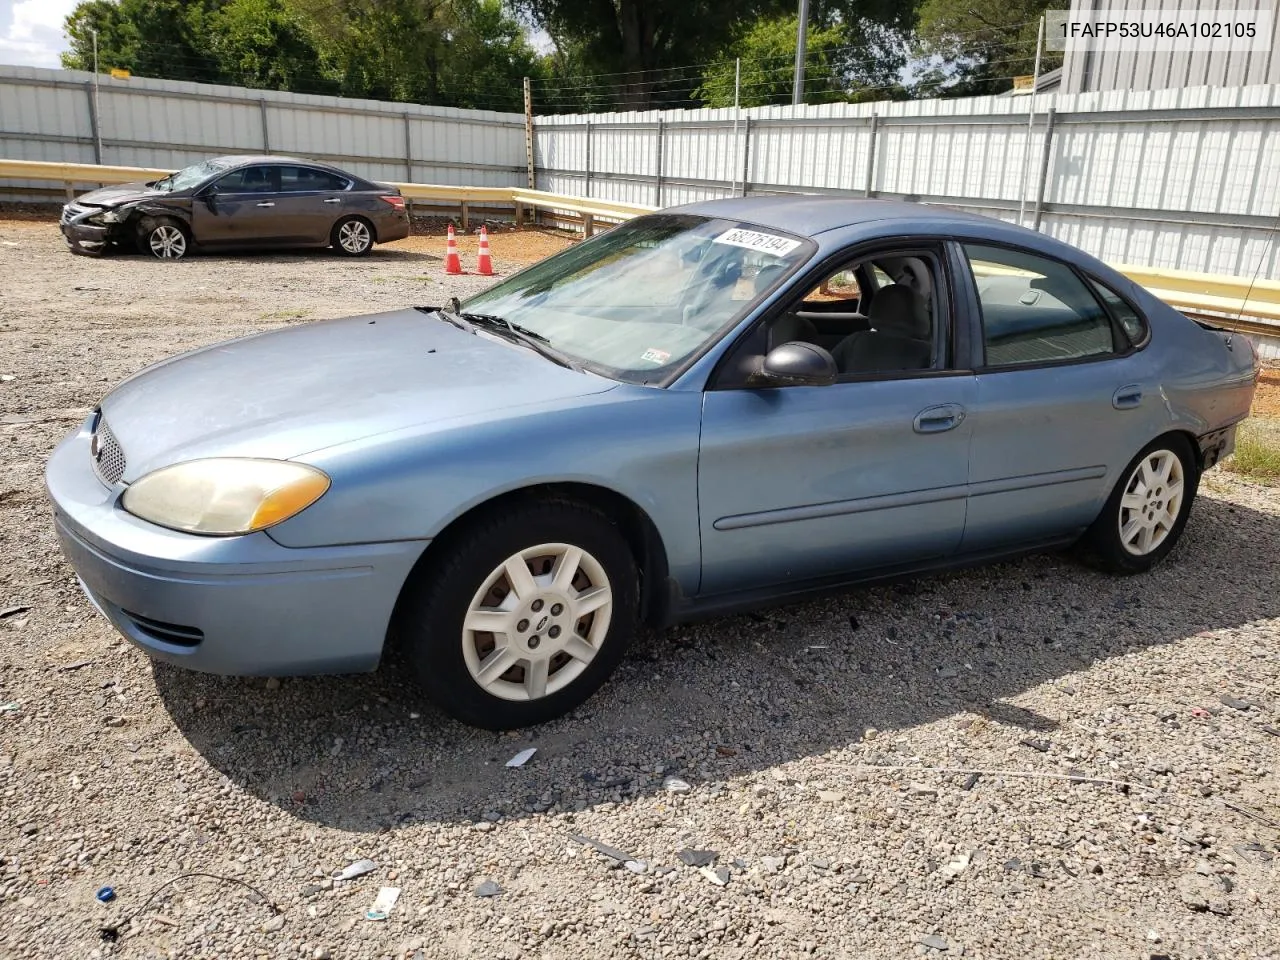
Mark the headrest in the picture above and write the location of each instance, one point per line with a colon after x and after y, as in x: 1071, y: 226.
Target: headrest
x: 768, y: 275
x: 899, y: 310
x: 914, y: 273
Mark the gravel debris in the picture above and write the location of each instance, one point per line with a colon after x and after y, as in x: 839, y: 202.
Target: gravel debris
x: 697, y: 858
x: 205, y: 773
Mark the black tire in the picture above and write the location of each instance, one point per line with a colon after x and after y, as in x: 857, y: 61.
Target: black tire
x: 165, y: 238
x: 1103, y: 544
x: 439, y: 595
x: 350, y: 229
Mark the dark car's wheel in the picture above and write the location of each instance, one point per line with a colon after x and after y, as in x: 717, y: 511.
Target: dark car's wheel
x: 525, y: 617
x: 352, y: 236
x: 164, y: 238
x: 1148, y: 509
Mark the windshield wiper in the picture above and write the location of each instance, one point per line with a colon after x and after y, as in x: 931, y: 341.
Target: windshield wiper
x: 449, y: 316
x: 511, y: 331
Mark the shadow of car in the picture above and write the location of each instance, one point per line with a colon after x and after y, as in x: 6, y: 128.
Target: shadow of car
x: 795, y: 682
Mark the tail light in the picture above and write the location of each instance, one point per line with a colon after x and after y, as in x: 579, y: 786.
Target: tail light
x: 396, y: 201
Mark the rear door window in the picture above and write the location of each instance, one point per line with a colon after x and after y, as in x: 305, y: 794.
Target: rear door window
x: 310, y: 180
x: 1036, y: 310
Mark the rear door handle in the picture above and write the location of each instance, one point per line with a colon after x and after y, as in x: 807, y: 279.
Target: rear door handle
x: 267, y: 203
x: 334, y: 200
x: 939, y: 419
x: 1127, y: 397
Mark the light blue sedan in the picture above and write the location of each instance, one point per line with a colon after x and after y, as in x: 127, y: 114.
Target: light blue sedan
x: 701, y: 410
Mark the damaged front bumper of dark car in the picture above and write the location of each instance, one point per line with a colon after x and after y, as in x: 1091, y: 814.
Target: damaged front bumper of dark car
x: 87, y: 229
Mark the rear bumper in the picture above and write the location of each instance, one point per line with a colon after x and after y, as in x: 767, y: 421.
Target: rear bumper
x: 229, y: 605
x: 1217, y: 446
x: 396, y: 228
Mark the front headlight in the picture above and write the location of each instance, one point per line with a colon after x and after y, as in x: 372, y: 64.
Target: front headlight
x: 111, y: 216
x: 225, y: 496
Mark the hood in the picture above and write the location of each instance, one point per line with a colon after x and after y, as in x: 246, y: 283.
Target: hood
x: 288, y: 392
x: 120, y: 193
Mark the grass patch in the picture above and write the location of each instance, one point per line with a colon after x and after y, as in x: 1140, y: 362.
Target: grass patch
x: 1257, y: 450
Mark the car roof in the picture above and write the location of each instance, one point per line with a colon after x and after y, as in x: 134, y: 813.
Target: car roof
x: 810, y: 215
x: 241, y: 160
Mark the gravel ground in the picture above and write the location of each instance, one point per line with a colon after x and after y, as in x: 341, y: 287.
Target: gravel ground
x: 826, y: 746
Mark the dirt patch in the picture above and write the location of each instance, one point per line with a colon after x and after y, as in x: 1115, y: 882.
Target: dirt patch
x: 1266, y: 402
x: 815, y: 739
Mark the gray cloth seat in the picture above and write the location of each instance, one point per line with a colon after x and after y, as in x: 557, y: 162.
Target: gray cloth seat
x: 789, y: 328
x: 899, y: 338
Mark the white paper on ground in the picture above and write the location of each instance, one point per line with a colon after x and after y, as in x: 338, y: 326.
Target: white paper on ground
x: 521, y: 758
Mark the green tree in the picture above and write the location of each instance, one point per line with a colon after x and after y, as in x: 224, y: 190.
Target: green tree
x: 978, y: 46
x: 461, y: 53
x: 464, y: 53
x: 154, y: 38
x: 267, y: 44
x: 622, y: 43
x: 768, y: 51
x: 488, y: 58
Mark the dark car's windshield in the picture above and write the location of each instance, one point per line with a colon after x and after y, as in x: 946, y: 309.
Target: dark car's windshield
x: 189, y: 177
x: 636, y: 301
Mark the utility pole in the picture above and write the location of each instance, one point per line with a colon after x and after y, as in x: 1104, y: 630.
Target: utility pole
x: 797, y: 89
x: 528, y: 131
x: 97, y: 111
x: 1031, y: 119
x: 737, y: 84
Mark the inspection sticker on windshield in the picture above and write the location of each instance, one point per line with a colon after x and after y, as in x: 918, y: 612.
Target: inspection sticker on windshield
x: 763, y: 242
x: 654, y: 355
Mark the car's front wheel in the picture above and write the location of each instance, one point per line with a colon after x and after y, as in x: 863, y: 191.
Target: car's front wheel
x: 352, y: 236
x: 1148, y: 509
x: 525, y: 617
x: 164, y: 238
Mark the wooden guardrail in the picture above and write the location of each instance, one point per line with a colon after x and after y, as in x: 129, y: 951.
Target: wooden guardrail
x: 1206, y: 292
x: 1218, y: 298
x: 589, y: 209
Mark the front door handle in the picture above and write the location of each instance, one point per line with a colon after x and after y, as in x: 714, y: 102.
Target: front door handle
x: 939, y: 419
x: 334, y: 200
x: 1127, y: 397
x: 266, y: 203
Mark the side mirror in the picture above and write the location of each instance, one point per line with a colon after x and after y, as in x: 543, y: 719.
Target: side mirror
x: 796, y: 364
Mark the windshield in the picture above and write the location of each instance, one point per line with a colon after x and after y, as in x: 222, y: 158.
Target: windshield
x: 190, y: 176
x: 636, y: 301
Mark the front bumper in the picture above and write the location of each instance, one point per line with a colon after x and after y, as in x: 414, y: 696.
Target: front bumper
x: 245, y: 605
x: 81, y: 234
x: 85, y: 237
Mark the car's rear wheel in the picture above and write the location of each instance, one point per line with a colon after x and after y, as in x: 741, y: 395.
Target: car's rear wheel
x: 1148, y: 509
x: 164, y: 238
x: 525, y: 617
x: 352, y: 236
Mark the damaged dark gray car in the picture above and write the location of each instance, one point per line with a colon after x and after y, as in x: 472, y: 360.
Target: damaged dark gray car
x: 239, y: 203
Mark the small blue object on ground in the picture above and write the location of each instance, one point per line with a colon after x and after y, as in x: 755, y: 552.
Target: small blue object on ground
x: 106, y: 894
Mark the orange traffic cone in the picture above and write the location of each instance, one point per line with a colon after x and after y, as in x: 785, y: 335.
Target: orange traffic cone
x: 452, y: 264
x: 484, y: 265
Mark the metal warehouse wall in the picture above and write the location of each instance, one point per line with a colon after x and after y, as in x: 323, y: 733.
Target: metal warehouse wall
x: 1094, y: 70
x: 1188, y: 179
x: 49, y: 115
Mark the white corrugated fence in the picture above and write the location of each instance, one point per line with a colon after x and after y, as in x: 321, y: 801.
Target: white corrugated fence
x: 1187, y: 179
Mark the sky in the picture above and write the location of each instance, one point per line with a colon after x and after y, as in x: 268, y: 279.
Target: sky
x: 31, y: 31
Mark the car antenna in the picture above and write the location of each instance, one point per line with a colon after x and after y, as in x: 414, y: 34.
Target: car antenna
x: 1262, y: 258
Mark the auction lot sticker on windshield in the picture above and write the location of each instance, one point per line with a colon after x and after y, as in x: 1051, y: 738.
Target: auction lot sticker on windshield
x: 762, y: 242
